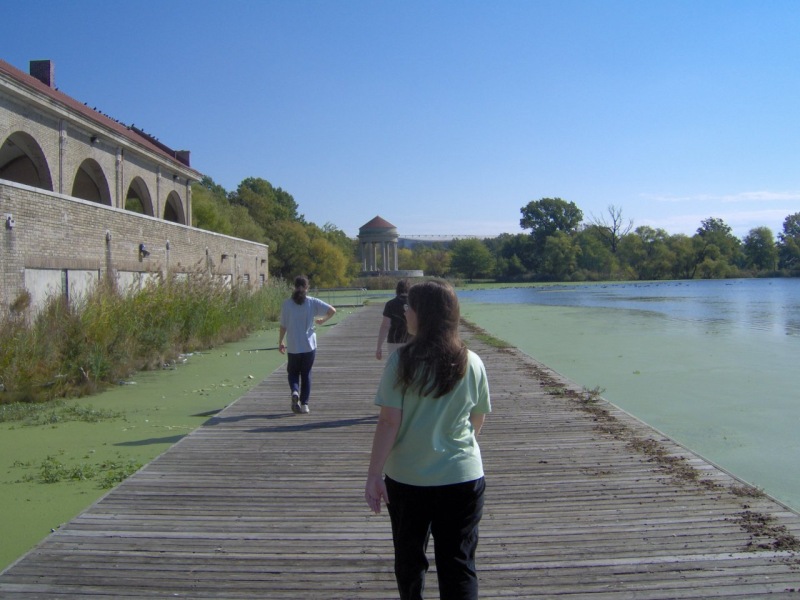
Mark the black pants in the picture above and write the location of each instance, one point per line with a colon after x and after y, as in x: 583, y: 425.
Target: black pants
x: 451, y: 513
x: 298, y: 368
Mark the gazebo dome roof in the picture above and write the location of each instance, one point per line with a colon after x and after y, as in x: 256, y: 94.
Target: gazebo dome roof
x: 377, y: 225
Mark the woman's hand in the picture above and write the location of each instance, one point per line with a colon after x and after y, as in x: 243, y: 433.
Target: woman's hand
x: 374, y: 492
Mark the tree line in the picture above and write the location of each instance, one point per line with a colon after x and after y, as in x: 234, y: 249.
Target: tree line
x: 259, y: 212
x: 556, y: 244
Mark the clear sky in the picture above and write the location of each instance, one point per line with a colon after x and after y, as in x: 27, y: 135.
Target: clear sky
x: 447, y: 116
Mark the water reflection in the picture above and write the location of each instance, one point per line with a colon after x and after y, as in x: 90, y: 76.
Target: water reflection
x: 766, y: 305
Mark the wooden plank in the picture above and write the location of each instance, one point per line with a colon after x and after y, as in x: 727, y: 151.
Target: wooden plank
x: 583, y: 501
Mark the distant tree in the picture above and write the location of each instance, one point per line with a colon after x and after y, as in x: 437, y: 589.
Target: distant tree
x: 789, y: 242
x: 347, y: 245
x: 210, y: 208
x: 243, y: 226
x: 267, y: 205
x: 519, y: 247
x: 647, y: 253
x: 405, y: 259
x: 717, y: 250
x: 560, y: 256
x: 289, y: 250
x: 327, y: 264
x: 613, y: 228
x: 685, y: 265
x: 434, y: 260
x: 471, y: 258
x: 595, y: 257
x: 760, y: 250
x: 547, y: 216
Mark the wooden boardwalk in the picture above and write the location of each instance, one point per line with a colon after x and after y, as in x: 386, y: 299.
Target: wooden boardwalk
x: 582, y: 501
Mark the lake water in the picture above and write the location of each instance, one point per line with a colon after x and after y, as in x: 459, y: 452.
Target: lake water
x: 712, y: 364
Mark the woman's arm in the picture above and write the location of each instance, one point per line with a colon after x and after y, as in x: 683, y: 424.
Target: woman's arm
x: 477, y: 420
x: 384, y: 331
x: 382, y: 443
x: 281, y: 346
x: 328, y: 315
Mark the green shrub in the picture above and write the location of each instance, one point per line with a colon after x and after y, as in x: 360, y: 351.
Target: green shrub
x: 78, y: 347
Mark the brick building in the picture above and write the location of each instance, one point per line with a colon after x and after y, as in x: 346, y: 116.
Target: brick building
x: 83, y: 196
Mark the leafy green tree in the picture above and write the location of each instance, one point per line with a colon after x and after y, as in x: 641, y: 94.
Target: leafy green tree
x: 545, y: 218
x: 328, y: 264
x: 560, y: 257
x: 595, y: 255
x: 289, y: 255
x: 243, y: 226
x: 348, y: 247
x: 646, y: 252
x: 685, y: 265
x: 471, y: 257
x: 789, y: 242
x: 760, y: 250
x: 434, y: 260
x: 210, y: 209
x: 268, y: 206
x: 515, y: 254
x: 406, y: 259
x: 716, y: 242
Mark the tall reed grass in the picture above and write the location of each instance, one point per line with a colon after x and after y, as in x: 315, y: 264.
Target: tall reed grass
x: 78, y: 347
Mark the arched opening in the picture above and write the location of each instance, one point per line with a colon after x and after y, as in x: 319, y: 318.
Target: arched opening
x: 90, y: 183
x: 173, y: 209
x: 138, y: 198
x: 22, y: 161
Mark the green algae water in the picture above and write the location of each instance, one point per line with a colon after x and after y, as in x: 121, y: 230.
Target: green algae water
x: 712, y: 364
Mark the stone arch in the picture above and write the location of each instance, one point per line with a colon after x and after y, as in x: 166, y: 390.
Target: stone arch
x: 22, y: 161
x: 138, y: 198
x: 173, y: 209
x: 91, y: 184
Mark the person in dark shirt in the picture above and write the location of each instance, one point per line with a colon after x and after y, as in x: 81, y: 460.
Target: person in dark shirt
x: 393, y: 327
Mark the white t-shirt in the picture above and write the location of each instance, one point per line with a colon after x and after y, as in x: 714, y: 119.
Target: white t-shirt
x: 298, y: 319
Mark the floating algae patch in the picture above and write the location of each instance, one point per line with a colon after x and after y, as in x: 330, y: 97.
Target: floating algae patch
x: 724, y: 392
x: 57, y: 462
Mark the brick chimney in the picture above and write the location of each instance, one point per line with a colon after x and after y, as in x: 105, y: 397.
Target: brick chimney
x: 44, y: 71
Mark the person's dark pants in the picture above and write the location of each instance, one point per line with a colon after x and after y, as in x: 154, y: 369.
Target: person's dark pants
x: 451, y: 513
x: 299, y: 370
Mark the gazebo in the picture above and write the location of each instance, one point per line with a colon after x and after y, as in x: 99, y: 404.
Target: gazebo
x: 379, y: 243
x: 378, y: 240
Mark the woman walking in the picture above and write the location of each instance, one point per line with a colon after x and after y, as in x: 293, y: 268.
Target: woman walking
x: 426, y: 464
x: 298, y: 315
x: 393, y: 326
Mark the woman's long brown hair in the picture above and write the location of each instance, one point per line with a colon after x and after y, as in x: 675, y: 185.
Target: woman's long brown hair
x: 435, y: 360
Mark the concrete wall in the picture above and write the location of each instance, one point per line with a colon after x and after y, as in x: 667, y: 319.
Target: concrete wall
x: 53, y: 243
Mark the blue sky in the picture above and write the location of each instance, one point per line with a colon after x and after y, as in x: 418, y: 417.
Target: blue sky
x: 446, y: 117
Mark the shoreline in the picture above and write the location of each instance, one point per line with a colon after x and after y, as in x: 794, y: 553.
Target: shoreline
x: 705, y: 391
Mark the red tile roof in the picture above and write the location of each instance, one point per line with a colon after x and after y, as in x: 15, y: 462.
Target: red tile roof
x: 378, y: 223
x: 131, y: 133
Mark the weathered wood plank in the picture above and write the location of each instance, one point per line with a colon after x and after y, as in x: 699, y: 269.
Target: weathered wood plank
x: 583, y: 501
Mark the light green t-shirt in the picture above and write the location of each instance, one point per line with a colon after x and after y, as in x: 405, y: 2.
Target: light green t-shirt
x: 436, y: 443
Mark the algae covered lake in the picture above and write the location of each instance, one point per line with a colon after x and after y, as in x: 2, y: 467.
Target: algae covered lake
x: 136, y: 421
x: 712, y: 364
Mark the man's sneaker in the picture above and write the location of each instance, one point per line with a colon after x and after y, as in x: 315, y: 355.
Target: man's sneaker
x: 296, y: 403
x: 304, y: 409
